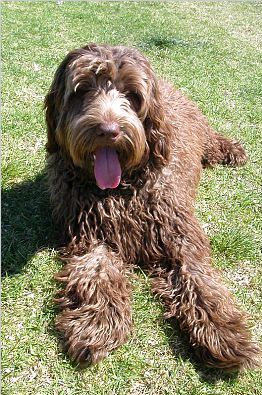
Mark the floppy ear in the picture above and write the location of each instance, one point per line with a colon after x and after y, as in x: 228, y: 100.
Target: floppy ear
x: 54, y: 100
x: 158, y: 130
x: 52, y: 105
x: 51, y: 122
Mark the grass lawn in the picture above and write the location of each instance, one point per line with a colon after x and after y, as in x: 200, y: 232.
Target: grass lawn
x: 212, y: 51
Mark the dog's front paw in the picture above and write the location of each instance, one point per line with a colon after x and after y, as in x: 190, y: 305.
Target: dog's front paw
x: 95, y: 303
x: 90, y: 334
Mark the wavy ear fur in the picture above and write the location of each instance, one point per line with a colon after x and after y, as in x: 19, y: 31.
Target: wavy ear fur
x: 158, y: 131
x: 54, y: 99
x: 51, y: 121
x: 51, y: 105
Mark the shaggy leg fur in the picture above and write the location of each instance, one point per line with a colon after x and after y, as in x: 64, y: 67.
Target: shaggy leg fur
x: 223, y: 151
x: 96, y: 313
x: 195, y: 296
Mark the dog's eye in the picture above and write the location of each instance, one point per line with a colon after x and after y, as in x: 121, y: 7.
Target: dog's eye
x: 80, y: 91
x: 135, y: 100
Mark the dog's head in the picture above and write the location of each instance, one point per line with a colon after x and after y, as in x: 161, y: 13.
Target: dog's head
x: 105, y: 112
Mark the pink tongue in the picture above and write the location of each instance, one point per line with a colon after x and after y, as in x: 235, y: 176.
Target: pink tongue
x: 107, y: 168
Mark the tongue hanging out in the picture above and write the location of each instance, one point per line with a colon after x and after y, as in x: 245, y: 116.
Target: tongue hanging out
x: 107, y: 168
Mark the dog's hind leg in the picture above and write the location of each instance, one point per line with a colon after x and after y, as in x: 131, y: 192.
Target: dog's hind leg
x: 95, y: 303
x: 194, y: 294
x: 221, y: 150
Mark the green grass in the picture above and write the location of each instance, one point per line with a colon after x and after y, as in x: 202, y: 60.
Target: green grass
x: 212, y: 51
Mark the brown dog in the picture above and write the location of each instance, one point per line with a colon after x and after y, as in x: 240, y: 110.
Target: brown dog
x: 125, y: 153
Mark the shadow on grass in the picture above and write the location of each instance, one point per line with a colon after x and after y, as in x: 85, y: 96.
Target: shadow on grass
x: 162, y: 42
x: 26, y: 223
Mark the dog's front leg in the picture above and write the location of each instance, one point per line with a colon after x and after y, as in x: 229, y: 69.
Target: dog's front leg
x: 195, y: 295
x: 95, y: 304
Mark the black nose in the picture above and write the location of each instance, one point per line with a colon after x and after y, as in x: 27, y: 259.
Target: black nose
x: 110, y: 129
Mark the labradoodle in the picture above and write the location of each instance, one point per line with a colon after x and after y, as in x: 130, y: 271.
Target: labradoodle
x: 124, y: 157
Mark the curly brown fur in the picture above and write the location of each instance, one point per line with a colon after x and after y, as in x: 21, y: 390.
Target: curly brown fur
x: 105, y: 102
x: 93, y: 312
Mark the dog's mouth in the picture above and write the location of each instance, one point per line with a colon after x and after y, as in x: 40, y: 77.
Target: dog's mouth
x: 107, y: 168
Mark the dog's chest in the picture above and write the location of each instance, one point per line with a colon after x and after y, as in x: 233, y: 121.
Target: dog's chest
x: 135, y: 227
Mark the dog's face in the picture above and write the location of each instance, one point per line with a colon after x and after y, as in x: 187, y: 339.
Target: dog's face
x: 104, y: 111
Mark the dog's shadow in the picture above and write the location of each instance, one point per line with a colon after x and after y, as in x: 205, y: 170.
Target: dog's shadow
x: 27, y: 228
x: 26, y: 224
